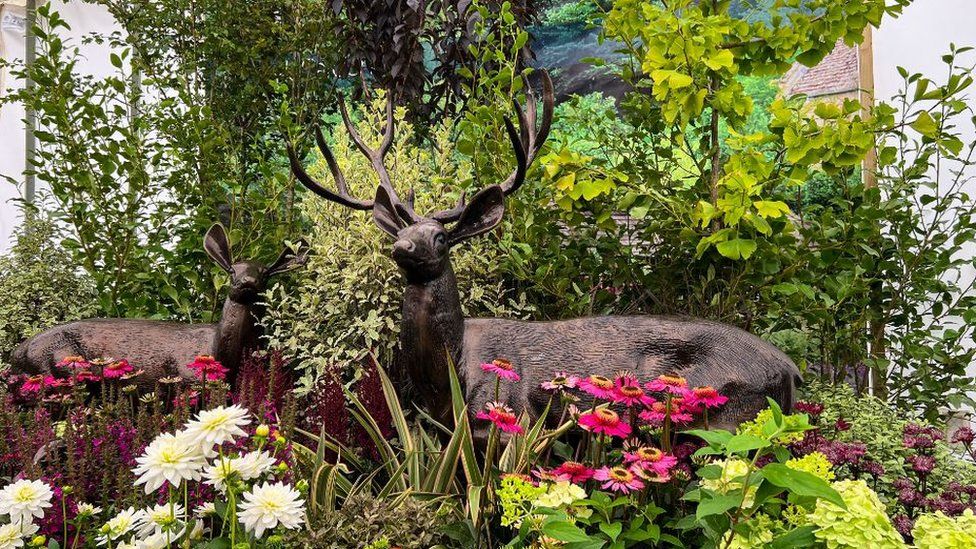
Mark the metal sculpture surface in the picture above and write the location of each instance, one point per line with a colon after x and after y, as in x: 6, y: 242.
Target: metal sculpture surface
x: 434, y: 332
x: 160, y: 348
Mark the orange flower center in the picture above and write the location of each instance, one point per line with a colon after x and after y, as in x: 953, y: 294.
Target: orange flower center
x: 503, y: 364
x: 705, y: 392
x: 674, y: 381
x: 601, y: 382
x: 573, y: 467
x: 36, y: 379
x: 632, y: 391
x: 505, y: 416
x: 607, y: 416
x: 647, y: 453
x: 621, y: 474
x: 74, y: 359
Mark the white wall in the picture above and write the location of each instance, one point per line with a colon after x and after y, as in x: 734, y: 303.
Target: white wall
x: 83, y: 19
x: 917, y: 40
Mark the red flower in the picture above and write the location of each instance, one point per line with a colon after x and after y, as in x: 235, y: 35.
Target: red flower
x: 667, y: 383
x: 117, y: 369
x: 208, y: 368
x: 628, y: 392
x: 560, y: 382
x: 574, y: 472
x: 501, y: 368
x: 73, y: 362
x: 659, y: 410
x: 604, y: 421
x: 618, y: 479
x: 502, y: 416
x: 705, y: 397
x: 811, y: 408
x: 598, y: 386
x: 85, y: 375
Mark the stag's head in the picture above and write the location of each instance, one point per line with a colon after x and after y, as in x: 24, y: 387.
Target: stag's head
x: 248, y: 278
x: 422, y: 243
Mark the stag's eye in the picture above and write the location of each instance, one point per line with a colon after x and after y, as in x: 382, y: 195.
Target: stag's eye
x: 439, y: 239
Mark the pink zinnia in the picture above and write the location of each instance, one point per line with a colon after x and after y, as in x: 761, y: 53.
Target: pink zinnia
x: 501, y: 368
x: 85, y: 375
x: 36, y: 384
x: 604, y: 421
x: 618, y: 479
x: 628, y: 392
x: 502, y: 416
x: 116, y: 369
x: 673, y: 384
x: 705, y: 397
x: 560, y: 382
x: 649, y: 458
x: 72, y: 362
x: 598, y: 386
x: 659, y: 410
x: 574, y: 472
x: 208, y: 368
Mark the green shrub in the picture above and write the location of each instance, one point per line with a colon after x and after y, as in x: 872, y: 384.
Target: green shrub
x: 348, y: 296
x: 937, y: 531
x: 367, y: 522
x: 39, y: 285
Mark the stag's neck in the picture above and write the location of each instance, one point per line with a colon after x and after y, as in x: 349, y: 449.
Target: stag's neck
x: 236, y: 332
x: 432, y: 330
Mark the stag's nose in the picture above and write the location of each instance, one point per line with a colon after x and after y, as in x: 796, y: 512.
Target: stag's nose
x: 403, y: 246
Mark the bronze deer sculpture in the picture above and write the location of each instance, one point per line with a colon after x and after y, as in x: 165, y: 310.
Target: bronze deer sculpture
x: 434, y: 333
x: 160, y: 348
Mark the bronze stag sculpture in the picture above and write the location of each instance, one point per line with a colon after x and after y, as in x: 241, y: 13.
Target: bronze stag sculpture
x: 164, y: 349
x: 434, y: 332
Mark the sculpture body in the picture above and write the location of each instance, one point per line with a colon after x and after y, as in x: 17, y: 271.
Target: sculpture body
x: 160, y: 348
x: 435, y: 334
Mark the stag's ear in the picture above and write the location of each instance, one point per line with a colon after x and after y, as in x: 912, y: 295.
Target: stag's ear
x: 482, y: 214
x: 217, y: 246
x: 289, y: 260
x: 385, y: 214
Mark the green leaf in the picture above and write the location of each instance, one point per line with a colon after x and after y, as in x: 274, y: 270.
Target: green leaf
x: 564, y: 531
x: 716, y: 437
x: 718, y: 504
x: 745, y: 443
x: 722, y: 59
x: 799, y: 537
x: 802, y: 483
x: 737, y: 248
x: 612, y: 529
x: 925, y: 124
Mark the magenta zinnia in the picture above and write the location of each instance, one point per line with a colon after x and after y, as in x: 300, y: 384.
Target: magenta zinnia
x: 649, y: 458
x: 73, y: 362
x: 658, y: 411
x: 560, y: 382
x: 669, y: 383
x: 501, y: 368
x: 502, y: 416
x: 36, y: 384
x: 628, y: 392
x: 604, y: 421
x: 705, y: 397
x: 208, y: 368
x: 116, y: 369
x: 618, y: 479
x: 598, y: 386
x: 574, y: 472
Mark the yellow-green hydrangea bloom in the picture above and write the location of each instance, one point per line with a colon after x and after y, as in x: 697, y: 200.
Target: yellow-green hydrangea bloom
x: 760, y: 533
x: 734, y: 471
x: 515, y: 494
x: 559, y: 494
x: 862, y: 525
x: 755, y: 427
x: 937, y: 531
x: 814, y: 463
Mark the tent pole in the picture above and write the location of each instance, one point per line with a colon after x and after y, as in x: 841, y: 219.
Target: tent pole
x: 31, y: 117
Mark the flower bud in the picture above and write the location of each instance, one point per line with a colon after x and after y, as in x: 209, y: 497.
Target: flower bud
x: 262, y: 431
x: 38, y: 541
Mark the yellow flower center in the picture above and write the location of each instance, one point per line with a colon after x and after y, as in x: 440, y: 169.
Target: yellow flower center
x: 601, y: 382
x: 620, y: 474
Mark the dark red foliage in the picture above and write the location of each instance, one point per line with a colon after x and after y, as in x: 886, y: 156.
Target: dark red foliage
x: 264, y: 384
x: 369, y: 390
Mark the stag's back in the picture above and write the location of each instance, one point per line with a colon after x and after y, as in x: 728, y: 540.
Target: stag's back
x: 158, y: 347
x: 732, y: 360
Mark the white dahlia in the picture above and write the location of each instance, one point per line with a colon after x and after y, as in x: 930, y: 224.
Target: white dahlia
x: 207, y: 509
x: 215, y: 427
x: 119, y: 525
x: 268, y: 505
x: 88, y: 510
x: 254, y: 464
x: 25, y: 500
x: 169, y: 458
x: 12, y: 535
x: 160, y: 519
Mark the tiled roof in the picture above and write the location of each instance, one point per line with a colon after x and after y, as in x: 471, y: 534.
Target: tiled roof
x: 837, y: 73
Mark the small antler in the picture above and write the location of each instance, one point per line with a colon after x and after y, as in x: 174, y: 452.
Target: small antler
x: 375, y: 159
x: 527, y: 141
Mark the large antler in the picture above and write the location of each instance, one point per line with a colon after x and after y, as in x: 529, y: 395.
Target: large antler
x: 375, y: 159
x: 526, y: 143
